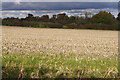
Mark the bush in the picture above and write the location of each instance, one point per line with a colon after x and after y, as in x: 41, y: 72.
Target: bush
x: 54, y: 25
x: 99, y: 26
x: 71, y: 26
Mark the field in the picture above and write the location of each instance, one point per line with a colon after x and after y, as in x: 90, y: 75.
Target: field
x: 59, y: 53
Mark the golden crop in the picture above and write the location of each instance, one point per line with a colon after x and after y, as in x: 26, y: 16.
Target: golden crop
x: 97, y: 42
x: 66, y: 51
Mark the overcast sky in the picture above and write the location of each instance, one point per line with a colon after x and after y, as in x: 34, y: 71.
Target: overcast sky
x: 60, y: 0
x: 62, y: 7
x: 57, y: 5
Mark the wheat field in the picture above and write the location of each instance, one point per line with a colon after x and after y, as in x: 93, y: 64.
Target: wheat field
x: 96, y: 49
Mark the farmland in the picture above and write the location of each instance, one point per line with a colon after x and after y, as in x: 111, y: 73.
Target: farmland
x: 55, y: 53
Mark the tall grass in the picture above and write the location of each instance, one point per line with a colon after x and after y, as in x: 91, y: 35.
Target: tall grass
x: 53, y: 65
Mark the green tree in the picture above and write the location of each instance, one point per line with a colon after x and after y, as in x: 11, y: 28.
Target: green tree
x: 72, y: 19
x: 103, y: 17
x: 62, y: 18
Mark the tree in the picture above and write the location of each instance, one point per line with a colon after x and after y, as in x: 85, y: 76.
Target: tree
x: 54, y: 17
x: 118, y: 18
x: 72, y: 19
x: 30, y: 15
x: 88, y: 15
x: 45, y: 18
x: 62, y: 18
x: 103, y: 17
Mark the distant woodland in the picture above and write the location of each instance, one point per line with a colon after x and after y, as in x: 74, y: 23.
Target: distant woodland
x: 101, y: 21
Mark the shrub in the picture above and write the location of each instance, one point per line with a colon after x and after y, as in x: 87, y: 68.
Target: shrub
x: 99, y: 26
x: 54, y: 25
x: 71, y: 26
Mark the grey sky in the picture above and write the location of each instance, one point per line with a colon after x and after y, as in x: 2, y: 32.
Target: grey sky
x: 17, y: 5
x: 60, y: 0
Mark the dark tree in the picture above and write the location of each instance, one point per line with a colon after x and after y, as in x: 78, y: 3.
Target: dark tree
x: 53, y: 19
x: 72, y: 19
x: 30, y: 15
x: 118, y: 18
x: 88, y: 15
x: 62, y: 18
x: 44, y: 18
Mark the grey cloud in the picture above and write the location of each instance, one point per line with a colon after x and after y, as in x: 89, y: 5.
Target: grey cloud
x: 24, y: 13
x: 57, y: 5
x: 61, y: 0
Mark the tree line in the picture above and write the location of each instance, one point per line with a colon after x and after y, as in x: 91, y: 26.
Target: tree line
x: 102, y: 20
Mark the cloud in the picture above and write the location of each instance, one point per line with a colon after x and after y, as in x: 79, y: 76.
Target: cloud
x: 55, y: 5
x: 62, y: 0
x: 23, y: 13
x: 17, y: 3
x: 21, y: 9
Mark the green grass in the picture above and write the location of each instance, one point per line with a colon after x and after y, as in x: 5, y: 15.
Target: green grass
x: 43, y: 65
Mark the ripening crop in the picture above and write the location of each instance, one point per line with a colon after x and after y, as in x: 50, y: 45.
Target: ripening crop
x: 63, y: 49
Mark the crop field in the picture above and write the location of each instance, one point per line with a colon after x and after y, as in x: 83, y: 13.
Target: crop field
x: 59, y: 53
